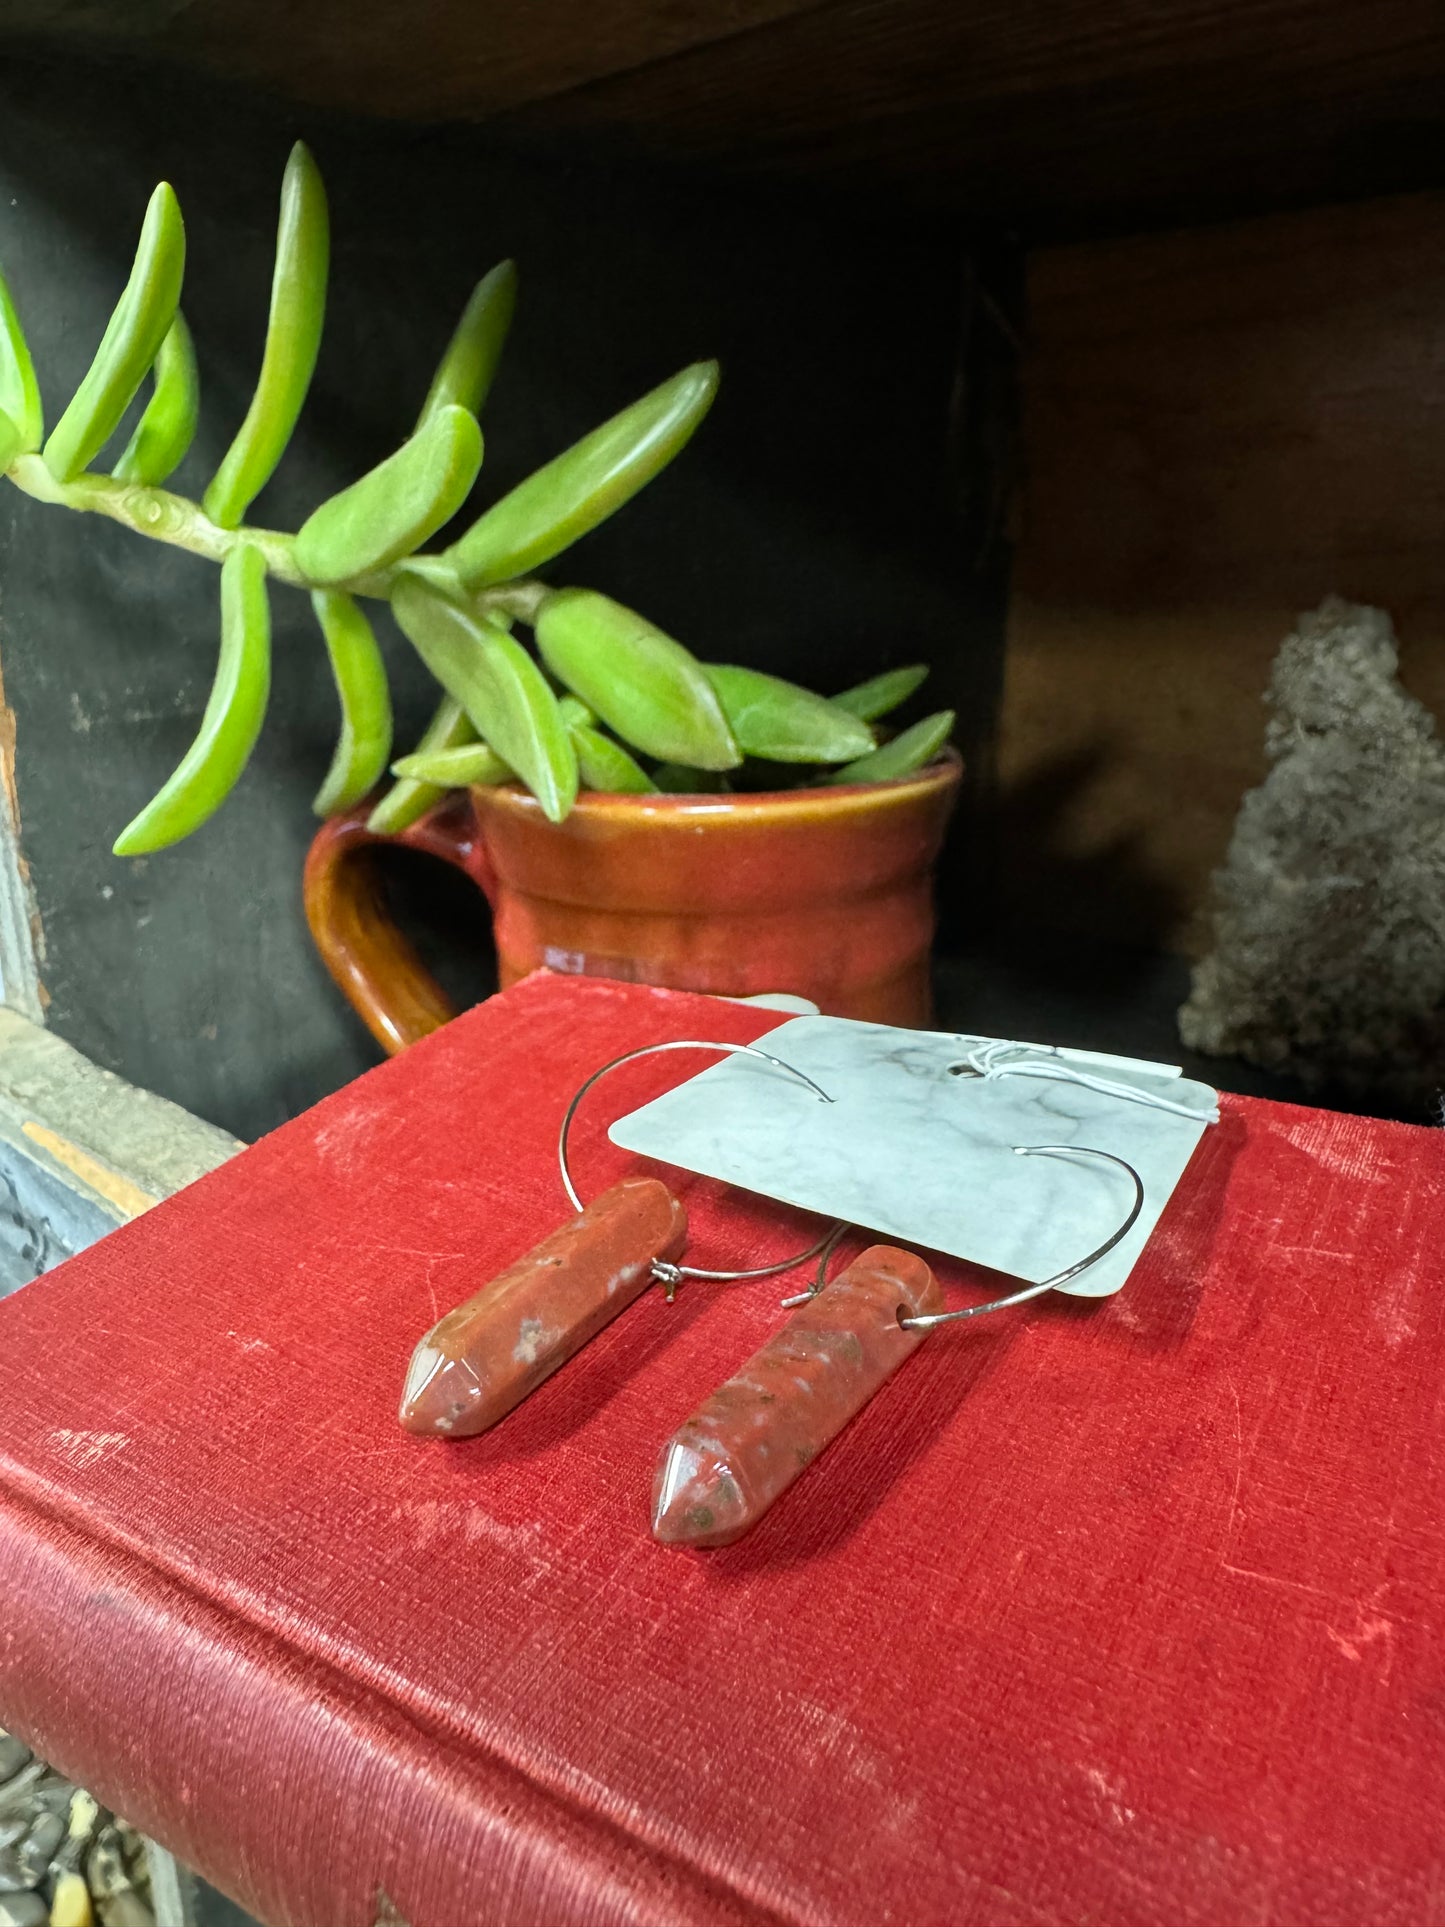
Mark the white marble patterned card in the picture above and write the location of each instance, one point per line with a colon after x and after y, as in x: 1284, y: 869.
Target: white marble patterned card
x: 918, y: 1142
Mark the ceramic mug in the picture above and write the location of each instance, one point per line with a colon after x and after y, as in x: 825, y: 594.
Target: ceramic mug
x: 824, y: 892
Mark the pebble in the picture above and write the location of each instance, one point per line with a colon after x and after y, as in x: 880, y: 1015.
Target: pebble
x: 84, y: 1815
x: 105, y: 1870
x: 71, y: 1906
x: 40, y: 1844
x: 20, y: 1792
x: 48, y: 1827
x: 127, y: 1910
x: 108, y: 1875
x: 23, y: 1910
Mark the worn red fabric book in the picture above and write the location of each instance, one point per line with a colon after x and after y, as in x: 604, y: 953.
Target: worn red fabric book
x: 1122, y: 1612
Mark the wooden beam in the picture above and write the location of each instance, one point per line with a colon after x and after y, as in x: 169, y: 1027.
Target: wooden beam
x: 1062, y: 116
x: 449, y: 59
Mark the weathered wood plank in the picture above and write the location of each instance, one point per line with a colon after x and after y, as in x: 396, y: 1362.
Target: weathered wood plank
x: 82, y: 1151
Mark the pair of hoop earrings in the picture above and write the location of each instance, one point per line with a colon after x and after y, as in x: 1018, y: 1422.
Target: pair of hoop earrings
x: 746, y: 1443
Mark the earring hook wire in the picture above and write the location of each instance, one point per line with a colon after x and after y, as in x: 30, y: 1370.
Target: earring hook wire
x: 671, y: 1275
x: 666, y: 1273
x: 926, y: 1321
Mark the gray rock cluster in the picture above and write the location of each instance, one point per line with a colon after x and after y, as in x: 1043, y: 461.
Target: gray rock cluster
x: 1329, y: 950
x: 64, y: 1861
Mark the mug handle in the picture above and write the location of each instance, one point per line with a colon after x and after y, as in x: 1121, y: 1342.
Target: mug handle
x: 360, y: 941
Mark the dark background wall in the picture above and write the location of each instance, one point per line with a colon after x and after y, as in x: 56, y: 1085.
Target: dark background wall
x: 829, y: 519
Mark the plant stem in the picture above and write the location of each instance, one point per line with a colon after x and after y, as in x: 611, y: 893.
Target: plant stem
x: 175, y: 519
x: 156, y: 513
x: 521, y: 598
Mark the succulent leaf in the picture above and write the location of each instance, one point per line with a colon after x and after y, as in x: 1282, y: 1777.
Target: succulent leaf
x: 168, y: 427
x: 10, y: 440
x: 648, y: 689
x: 293, y: 338
x: 583, y: 486
x: 132, y: 340
x: 364, y: 744
x: 605, y: 765
x: 784, y: 723
x: 880, y: 694
x: 212, y: 766
x: 19, y: 390
x: 410, y: 799
x: 500, y: 687
x: 394, y: 508
x: 455, y: 768
x: 465, y: 373
x: 908, y: 751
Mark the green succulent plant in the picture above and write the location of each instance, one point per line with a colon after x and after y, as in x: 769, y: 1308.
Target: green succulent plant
x: 607, y: 702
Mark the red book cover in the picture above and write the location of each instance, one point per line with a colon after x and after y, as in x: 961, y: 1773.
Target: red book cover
x: 1120, y: 1612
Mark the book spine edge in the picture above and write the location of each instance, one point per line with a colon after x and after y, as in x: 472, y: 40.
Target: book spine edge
x: 290, y: 1786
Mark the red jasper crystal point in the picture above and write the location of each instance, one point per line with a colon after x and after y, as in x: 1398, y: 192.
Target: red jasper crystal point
x: 488, y: 1354
x: 743, y: 1447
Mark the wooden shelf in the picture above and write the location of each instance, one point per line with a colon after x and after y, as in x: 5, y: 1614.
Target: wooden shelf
x: 1059, y: 116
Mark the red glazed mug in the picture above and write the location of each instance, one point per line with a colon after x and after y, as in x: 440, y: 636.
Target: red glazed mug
x: 823, y: 892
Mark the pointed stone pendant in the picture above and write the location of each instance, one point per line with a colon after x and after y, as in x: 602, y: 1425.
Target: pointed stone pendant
x: 487, y: 1355
x: 743, y: 1447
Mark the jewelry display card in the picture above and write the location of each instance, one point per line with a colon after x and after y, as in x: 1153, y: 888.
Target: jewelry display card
x: 919, y: 1141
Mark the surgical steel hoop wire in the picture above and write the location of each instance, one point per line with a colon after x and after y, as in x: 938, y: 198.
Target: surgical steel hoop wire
x: 927, y: 1320
x: 663, y: 1270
